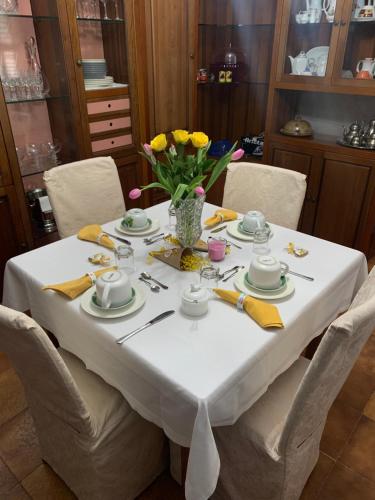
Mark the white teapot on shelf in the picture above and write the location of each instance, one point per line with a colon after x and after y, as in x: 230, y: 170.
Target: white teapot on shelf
x: 298, y: 63
x: 367, y: 64
x: 329, y: 9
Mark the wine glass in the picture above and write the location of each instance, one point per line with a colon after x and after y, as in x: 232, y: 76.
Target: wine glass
x: 118, y: 18
x: 104, y: 2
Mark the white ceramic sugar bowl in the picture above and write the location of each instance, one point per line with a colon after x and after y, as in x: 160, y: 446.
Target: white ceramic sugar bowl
x: 194, y: 301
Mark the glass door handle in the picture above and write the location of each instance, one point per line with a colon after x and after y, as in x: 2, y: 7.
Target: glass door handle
x: 79, y: 62
x: 342, y: 23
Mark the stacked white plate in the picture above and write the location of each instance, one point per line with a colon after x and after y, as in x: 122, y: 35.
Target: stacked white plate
x: 93, y: 83
x: 94, y: 69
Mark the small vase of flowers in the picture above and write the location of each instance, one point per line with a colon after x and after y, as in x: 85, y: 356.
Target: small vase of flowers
x: 182, y: 175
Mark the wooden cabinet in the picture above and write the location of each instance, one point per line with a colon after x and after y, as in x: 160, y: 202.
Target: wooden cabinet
x: 340, y: 190
x: 12, y: 234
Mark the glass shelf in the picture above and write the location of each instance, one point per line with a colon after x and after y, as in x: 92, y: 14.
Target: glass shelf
x: 235, y: 25
x: 24, y: 16
x: 228, y: 84
x: 95, y: 19
x: 37, y: 99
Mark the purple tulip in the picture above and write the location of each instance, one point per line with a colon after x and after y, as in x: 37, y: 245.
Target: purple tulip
x: 135, y: 193
x: 199, y: 191
x: 147, y: 148
x: 237, y: 155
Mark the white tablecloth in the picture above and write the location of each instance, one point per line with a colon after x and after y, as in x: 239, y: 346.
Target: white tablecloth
x: 187, y: 375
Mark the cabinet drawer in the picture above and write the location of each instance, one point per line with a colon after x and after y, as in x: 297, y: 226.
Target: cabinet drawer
x: 112, y: 142
x: 109, y: 106
x: 107, y: 125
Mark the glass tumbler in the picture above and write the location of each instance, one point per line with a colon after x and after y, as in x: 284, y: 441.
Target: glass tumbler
x: 260, y: 241
x: 216, y: 248
x: 124, y: 258
x: 209, y: 276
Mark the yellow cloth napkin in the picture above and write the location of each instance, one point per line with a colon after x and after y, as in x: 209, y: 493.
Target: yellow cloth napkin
x: 221, y: 215
x: 73, y: 288
x: 94, y: 233
x: 266, y: 315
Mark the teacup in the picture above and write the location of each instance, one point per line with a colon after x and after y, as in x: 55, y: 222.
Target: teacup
x: 113, y: 289
x: 253, y: 220
x: 136, y: 218
x: 265, y: 272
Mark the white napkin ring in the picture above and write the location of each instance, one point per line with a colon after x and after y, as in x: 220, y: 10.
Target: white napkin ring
x: 99, y: 237
x: 240, y: 301
x: 92, y: 277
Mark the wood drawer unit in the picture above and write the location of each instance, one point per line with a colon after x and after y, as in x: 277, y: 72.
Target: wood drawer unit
x: 108, y: 106
x: 111, y: 143
x: 109, y: 124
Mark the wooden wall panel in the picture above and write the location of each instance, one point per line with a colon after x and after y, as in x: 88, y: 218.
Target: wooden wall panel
x: 170, y: 44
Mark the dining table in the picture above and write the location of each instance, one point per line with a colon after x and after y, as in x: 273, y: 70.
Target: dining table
x: 188, y: 374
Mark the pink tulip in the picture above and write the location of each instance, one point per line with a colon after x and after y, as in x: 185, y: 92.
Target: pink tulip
x: 135, y: 193
x: 237, y: 155
x: 199, y: 191
x: 147, y: 148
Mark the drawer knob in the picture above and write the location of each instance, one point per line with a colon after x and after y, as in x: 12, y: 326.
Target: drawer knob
x: 109, y: 105
x: 110, y: 124
x: 112, y: 142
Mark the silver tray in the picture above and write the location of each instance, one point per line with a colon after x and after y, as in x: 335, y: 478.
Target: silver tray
x: 343, y: 143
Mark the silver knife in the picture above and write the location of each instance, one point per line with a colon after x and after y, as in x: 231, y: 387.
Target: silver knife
x: 151, y: 322
x: 118, y: 238
x: 218, y: 229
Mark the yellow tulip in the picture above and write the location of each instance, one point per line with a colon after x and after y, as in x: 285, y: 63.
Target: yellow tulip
x: 199, y: 139
x: 159, y: 143
x: 180, y: 136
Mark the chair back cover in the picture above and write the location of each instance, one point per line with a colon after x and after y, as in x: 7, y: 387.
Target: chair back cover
x: 329, y: 368
x: 277, y: 192
x: 84, y: 192
x: 45, y: 377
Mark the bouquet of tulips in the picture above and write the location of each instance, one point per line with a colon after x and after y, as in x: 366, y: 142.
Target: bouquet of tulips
x: 180, y: 174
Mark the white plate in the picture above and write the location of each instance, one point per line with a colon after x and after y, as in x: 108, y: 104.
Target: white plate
x: 232, y: 229
x: 261, y: 290
x: 155, y: 225
x: 317, y: 52
x: 239, y: 283
x: 88, y: 306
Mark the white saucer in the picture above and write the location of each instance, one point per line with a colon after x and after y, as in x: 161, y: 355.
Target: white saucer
x: 155, y: 225
x: 240, y: 284
x: 264, y: 290
x: 232, y: 229
x: 88, y: 306
x: 105, y: 309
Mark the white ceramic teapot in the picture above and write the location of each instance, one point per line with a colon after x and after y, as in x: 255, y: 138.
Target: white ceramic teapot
x: 367, y: 64
x: 298, y: 63
x: 113, y: 289
x: 194, y: 300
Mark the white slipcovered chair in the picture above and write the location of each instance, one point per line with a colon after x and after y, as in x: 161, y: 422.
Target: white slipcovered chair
x: 87, y: 431
x: 277, y: 192
x: 271, y: 450
x: 84, y: 192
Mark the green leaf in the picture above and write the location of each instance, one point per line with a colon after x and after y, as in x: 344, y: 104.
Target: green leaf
x: 155, y: 185
x: 181, y: 188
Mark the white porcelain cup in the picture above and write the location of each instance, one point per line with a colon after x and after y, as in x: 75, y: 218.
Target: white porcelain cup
x: 253, y: 220
x: 113, y: 289
x: 136, y: 218
x: 265, y: 272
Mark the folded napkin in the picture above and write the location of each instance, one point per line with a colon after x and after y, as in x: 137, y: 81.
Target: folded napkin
x: 266, y: 315
x: 73, y: 288
x: 221, y: 215
x: 94, y: 233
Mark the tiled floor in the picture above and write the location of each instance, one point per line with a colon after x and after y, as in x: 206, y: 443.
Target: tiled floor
x: 345, y: 470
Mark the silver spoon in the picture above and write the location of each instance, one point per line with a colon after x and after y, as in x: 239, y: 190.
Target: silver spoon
x: 154, y: 288
x: 149, y: 277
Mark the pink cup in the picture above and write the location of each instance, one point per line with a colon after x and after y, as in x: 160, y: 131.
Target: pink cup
x: 216, y: 248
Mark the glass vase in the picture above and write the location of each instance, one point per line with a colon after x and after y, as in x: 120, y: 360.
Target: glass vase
x: 188, y: 221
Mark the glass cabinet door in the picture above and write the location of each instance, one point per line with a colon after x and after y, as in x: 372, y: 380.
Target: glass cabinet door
x: 102, y: 40
x: 309, y: 38
x: 356, y: 59
x: 36, y: 87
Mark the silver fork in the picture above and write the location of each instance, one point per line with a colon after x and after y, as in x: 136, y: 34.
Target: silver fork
x: 151, y: 238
